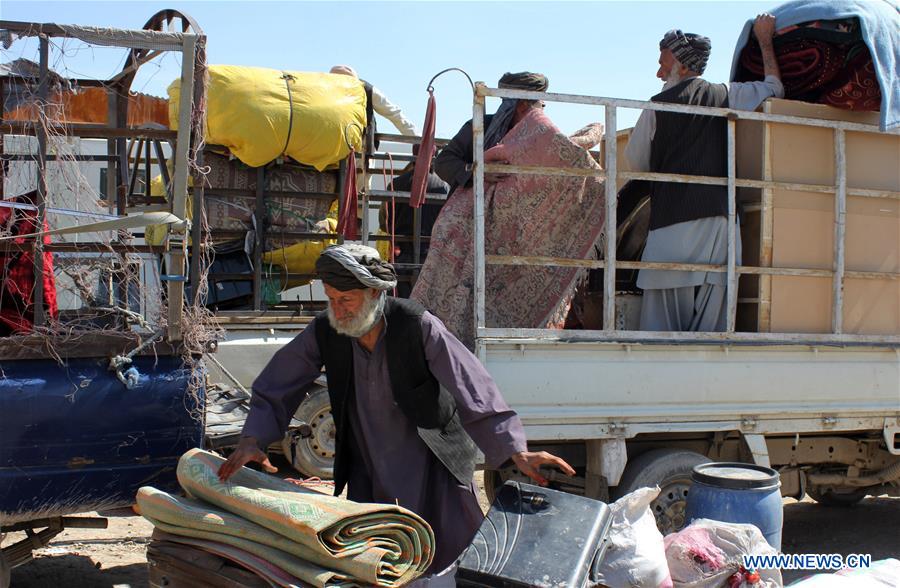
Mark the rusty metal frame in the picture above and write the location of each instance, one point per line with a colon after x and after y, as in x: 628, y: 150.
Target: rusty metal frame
x: 190, y: 42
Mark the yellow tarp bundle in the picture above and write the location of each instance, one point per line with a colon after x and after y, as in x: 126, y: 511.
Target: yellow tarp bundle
x: 251, y: 111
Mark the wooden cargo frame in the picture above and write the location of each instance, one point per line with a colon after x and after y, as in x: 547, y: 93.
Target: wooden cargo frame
x: 609, y: 333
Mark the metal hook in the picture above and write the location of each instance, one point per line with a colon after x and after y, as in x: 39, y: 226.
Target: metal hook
x: 442, y: 72
x: 362, y: 133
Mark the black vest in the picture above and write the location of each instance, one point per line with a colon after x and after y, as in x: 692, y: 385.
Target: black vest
x: 689, y: 144
x: 416, y: 391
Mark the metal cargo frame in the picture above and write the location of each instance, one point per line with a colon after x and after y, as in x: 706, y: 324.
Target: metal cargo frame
x: 155, y: 39
x: 486, y: 335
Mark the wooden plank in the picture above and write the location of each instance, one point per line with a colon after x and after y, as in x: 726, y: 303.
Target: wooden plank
x: 78, y: 344
x: 85, y: 131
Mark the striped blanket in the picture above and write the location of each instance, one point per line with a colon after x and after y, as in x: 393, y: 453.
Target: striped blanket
x: 321, y: 540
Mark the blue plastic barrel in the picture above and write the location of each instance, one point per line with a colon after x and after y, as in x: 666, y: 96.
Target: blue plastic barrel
x: 737, y: 493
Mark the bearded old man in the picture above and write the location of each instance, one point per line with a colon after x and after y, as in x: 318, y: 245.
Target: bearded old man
x: 689, y: 222
x: 453, y: 163
x: 411, y: 404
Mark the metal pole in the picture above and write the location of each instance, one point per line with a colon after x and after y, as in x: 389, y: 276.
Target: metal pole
x: 365, y: 197
x: 199, y: 210
x: 111, y: 178
x: 478, y: 178
x: 417, y: 235
x: 259, y: 213
x: 43, y: 94
x: 731, y: 285
x: 181, y: 157
x: 840, y: 219
x: 342, y: 177
x: 609, y: 273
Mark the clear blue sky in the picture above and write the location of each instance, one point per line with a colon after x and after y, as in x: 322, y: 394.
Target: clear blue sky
x: 599, y: 48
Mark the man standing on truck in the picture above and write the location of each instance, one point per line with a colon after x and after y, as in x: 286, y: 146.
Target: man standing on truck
x: 689, y: 222
x: 453, y: 163
x: 411, y: 404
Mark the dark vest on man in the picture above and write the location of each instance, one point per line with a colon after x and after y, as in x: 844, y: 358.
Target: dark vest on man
x: 416, y: 392
x: 693, y: 145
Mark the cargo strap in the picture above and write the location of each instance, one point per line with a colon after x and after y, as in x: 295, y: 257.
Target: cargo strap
x: 288, y: 78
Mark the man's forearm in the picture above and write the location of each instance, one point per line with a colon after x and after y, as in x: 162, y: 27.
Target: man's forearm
x: 770, y: 64
x: 451, y: 167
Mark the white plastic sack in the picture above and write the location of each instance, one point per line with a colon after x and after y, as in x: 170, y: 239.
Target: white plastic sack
x: 706, y: 553
x: 636, y: 556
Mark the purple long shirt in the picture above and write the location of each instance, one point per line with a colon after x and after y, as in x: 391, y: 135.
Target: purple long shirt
x: 395, y: 465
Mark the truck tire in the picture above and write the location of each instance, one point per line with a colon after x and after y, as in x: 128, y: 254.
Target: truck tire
x: 313, y: 456
x: 670, y: 469
x: 832, y: 498
x: 493, y: 480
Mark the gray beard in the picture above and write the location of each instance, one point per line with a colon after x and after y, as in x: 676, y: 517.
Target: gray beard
x: 673, y: 78
x: 362, y: 322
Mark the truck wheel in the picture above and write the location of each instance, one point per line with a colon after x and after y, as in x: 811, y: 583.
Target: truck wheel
x: 314, y: 456
x: 670, y: 469
x: 832, y: 498
x: 493, y: 480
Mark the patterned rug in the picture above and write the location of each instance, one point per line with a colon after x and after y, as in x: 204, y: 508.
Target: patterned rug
x: 527, y: 215
x: 321, y: 540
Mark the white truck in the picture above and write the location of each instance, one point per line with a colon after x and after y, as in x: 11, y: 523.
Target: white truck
x: 805, y: 380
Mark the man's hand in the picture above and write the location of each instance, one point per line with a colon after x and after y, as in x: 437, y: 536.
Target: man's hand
x: 764, y: 28
x: 247, y: 451
x: 528, y: 463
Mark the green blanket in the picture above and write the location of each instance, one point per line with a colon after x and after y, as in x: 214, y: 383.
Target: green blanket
x: 322, y: 540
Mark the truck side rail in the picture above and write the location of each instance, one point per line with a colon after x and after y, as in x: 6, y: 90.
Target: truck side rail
x: 610, y: 174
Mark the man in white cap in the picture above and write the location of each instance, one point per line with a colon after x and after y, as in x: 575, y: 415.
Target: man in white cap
x: 689, y: 222
x: 411, y: 404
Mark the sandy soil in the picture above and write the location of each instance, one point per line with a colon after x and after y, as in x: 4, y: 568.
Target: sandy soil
x: 115, y: 557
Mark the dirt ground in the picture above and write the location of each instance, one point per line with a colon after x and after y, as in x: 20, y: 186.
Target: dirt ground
x: 115, y: 557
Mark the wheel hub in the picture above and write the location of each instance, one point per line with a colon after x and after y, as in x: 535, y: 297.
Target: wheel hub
x: 669, y: 507
x: 323, y: 434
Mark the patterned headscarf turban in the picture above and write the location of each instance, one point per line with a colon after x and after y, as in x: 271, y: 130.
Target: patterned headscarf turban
x: 524, y: 80
x: 355, y: 267
x: 690, y: 49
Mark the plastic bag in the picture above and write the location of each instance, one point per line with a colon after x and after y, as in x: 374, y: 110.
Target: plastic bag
x: 636, y: 556
x: 708, y: 554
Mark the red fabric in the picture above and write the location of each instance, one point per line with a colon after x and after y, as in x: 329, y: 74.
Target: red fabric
x: 858, y: 89
x: 806, y: 64
x: 840, y: 75
x: 347, y: 220
x: 17, y: 277
x: 426, y: 153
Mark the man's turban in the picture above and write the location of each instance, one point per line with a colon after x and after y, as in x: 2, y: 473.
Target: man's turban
x: 524, y: 80
x: 354, y: 267
x: 690, y: 49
